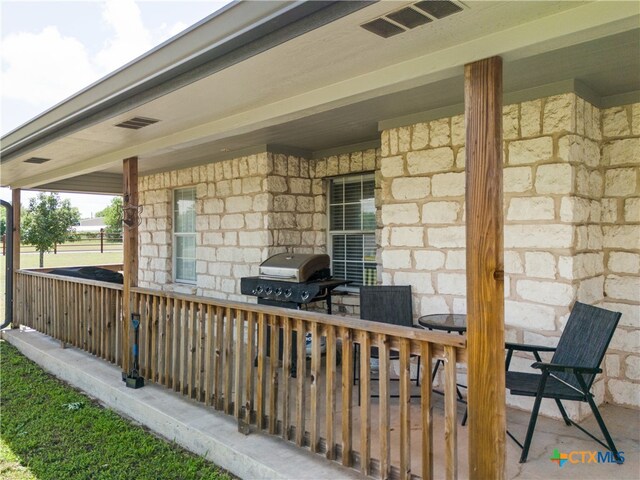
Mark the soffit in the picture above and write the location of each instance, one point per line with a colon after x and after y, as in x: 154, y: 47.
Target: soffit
x: 270, y: 98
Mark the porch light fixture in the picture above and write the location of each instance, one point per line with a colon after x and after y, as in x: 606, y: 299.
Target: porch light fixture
x: 37, y: 160
x: 136, y: 123
x: 131, y: 214
x: 410, y: 17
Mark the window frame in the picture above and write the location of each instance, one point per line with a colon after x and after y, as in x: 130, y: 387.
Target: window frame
x: 364, y: 176
x: 175, y: 235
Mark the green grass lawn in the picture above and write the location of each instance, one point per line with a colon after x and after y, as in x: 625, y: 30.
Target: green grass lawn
x: 50, y: 431
x: 30, y: 260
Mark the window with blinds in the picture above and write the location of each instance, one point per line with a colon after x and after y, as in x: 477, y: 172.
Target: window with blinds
x: 352, y: 225
x: 184, y: 235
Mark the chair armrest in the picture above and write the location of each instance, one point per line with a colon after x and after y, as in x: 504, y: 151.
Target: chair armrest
x: 522, y: 347
x: 565, y: 368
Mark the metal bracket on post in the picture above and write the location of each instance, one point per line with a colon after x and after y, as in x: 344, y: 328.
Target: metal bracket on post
x: 134, y: 380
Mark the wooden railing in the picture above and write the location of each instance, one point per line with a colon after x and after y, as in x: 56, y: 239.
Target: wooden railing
x: 250, y: 361
x: 86, y: 314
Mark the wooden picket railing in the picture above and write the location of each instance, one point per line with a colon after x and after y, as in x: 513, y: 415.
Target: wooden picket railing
x: 250, y: 361
x: 83, y: 313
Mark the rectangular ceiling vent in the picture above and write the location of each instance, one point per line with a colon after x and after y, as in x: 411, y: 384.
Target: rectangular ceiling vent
x: 36, y: 160
x: 383, y: 27
x: 412, y: 16
x: 439, y: 8
x: 137, y: 123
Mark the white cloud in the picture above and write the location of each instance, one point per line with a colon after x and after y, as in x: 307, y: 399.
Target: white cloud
x: 44, y: 68
x: 131, y: 37
x: 40, y: 69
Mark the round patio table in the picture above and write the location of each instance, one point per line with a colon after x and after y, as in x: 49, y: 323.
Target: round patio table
x: 448, y: 322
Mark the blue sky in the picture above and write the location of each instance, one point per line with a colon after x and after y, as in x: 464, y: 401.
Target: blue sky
x: 51, y: 49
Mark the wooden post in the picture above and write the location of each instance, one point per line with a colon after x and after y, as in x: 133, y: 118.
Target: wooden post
x: 102, y: 240
x: 485, y: 269
x: 130, y: 251
x: 15, y: 202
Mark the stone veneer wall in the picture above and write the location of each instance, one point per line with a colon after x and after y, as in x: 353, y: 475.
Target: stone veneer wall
x: 295, y: 207
x: 621, y: 241
x: 232, y: 225
x: 572, y: 221
x: 559, y: 246
x: 247, y: 209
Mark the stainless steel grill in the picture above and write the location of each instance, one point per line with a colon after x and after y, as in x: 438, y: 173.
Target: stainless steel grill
x: 291, y: 280
x: 295, y: 267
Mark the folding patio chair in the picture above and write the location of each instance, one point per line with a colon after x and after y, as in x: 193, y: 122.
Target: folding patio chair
x: 390, y: 304
x: 571, y: 372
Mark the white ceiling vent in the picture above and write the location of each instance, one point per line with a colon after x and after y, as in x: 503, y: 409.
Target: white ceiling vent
x: 412, y: 16
x: 137, y: 123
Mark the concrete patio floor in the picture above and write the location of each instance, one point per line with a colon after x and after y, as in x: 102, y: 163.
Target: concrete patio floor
x: 258, y: 455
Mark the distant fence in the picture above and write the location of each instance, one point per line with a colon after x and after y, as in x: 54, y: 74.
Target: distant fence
x: 81, y: 241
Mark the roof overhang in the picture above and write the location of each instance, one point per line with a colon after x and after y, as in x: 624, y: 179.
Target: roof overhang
x: 314, y: 81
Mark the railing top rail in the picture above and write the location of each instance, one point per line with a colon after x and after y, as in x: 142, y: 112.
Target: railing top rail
x: 83, y: 281
x: 458, y: 341
x: 108, y: 266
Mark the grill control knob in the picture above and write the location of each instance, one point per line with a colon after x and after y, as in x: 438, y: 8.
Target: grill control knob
x: 258, y: 289
x: 287, y: 292
x: 278, y: 291
x: 268, y: 290
x: 304, y: 295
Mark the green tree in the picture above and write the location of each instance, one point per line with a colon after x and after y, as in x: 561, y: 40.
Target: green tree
x: 48, y: 221
x: 3, y: 222
x: 113, y: 218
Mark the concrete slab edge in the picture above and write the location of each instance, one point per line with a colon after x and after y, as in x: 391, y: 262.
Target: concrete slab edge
x: 168, y: 414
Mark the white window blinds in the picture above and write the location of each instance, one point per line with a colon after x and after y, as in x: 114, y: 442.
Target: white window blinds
x: 352, y: 224
x: 184, y: 235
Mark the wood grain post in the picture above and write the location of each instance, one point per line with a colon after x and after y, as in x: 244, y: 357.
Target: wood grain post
x: 15, y: 203
x: 485, y: 269
x: 130, y: 253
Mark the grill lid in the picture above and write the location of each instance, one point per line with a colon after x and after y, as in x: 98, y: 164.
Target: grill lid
x: 295, y: 267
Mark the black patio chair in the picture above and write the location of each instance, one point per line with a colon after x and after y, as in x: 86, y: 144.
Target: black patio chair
x: 570, y: 373
x: 385, y: 304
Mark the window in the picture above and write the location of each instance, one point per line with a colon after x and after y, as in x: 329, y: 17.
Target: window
x: 352, y: 225
x: 184, y: 235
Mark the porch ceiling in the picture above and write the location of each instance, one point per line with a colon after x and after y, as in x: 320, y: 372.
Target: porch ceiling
x: 333, y: 86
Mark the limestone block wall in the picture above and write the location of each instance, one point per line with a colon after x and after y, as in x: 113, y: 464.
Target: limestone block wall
x: 560, y: 234
x: 296, y: 207
x: 232, y: 225
x: 422, y: 213
x: 621, y: 248
x: 247, y: 209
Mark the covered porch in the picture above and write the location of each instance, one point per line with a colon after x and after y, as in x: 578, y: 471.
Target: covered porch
x: 504, y: 199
